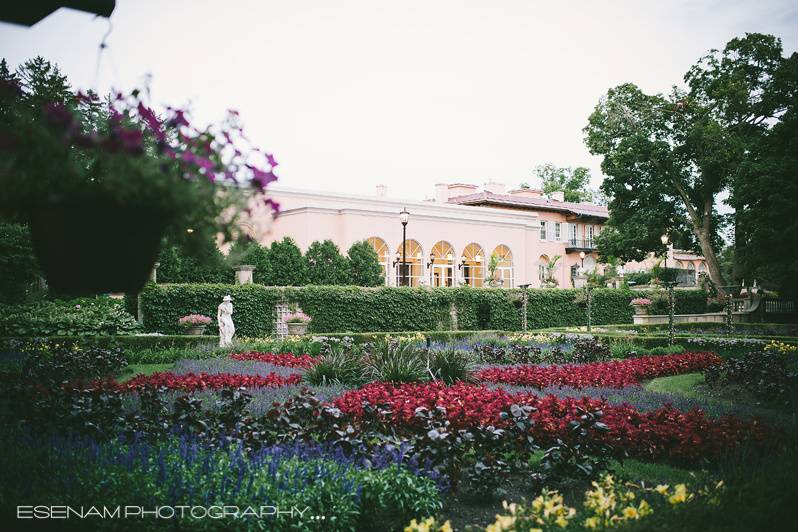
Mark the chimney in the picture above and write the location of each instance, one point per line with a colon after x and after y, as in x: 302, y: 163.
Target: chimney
x: 526, y: 193
x: 558, y: 195
x: 459, y: 189
x: 382, y: 190
x: 441, y: 192
x: 494, y: 187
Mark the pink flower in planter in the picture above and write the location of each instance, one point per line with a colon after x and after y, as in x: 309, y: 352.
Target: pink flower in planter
x: 641, y: 301
x: 194, y: 320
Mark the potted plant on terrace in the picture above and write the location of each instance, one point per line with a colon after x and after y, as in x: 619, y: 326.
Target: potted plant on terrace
x: 297, y: 323
x: 641, y: 304
x: 194, y: 324
x: 100, y: 181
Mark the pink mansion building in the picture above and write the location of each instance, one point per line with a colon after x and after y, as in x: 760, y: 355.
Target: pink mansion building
x: 453, y: 237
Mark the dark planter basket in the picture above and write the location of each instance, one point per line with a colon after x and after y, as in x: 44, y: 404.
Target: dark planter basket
x: 94, y: 247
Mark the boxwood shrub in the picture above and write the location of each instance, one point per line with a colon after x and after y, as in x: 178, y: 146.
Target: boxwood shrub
x: 337, y: 309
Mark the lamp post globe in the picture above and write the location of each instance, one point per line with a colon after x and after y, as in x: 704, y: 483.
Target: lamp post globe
x: 404, y: 217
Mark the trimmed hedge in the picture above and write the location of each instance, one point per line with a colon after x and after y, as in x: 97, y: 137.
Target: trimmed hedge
x: 338, y: 309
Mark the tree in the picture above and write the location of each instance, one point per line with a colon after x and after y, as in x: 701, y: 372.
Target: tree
x: 285, y: 265
x: 666, y: 158
x: 575, y: 183
x: 192, y: 258
x: 252, y: 253
x: 325, y: 264
x: 765, y: 198
x: 18, y: 265
x: 364, y: 265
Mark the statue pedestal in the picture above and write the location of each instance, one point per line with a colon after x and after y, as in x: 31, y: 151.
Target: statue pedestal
x: 244, y: 274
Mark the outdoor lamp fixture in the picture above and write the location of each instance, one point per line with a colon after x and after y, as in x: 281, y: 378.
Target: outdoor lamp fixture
x: 664, y: 240
x: 431, y: 260
x: 396, y: 259
x: 462, y: 262
x: 404, y: 216
x: 582, y: 256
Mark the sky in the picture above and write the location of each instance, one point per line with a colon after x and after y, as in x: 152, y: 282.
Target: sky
x: 349, y: 94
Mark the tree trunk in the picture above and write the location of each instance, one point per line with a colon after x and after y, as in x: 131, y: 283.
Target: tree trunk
x: 702, y: 227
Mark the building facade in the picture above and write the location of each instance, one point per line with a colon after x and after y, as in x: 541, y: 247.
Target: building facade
x: 461, y: 236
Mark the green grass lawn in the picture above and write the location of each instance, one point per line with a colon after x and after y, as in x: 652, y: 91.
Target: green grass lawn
x: 681, y: 384
x: 134, y: 370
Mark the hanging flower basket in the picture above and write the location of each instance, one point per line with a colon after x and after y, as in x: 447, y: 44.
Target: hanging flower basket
x: 101, y: 179
x: 95, y: 246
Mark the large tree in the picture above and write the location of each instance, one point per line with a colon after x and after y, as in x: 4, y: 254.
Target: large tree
x: 285, y: 265
x: 326, y: 265
x: 573, y: 182
x: 667, y: 158
x: 364, y: 265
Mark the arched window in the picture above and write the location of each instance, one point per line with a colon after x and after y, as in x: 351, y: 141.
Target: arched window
x: 410, y: 275
x: 472, y: 264
x: 441, y: 271
x: 503, y: 273
x: 383, y: 253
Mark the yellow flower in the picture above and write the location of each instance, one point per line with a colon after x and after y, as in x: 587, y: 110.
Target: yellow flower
x: 630, y: 512
x: 644, y: 509
x: 662, y: 489
x: 679, y: 495
x: 445, y: 527
x: 592, y: 522
x: 561, y: 521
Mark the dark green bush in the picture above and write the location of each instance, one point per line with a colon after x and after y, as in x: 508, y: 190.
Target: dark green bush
x: 83, y: 316
x: 339, y: 309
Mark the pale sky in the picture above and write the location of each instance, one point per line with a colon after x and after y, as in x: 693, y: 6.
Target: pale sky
x: 349, y: 94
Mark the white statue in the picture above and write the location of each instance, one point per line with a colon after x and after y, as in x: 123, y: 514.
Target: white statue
x: 224, y: 316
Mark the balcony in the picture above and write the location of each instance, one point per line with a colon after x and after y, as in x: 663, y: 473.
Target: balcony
x: 575, y: 245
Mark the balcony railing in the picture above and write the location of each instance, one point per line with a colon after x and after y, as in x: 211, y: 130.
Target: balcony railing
x: 579, y: 244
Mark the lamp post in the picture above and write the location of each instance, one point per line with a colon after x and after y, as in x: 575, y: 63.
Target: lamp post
x: 582, y: 257
x: 664, y: 240
x: 404, y: 216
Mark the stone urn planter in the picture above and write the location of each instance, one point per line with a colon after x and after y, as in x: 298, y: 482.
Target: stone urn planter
x: 297, y: 328
x: 196, y: 331
x: 640, y: 310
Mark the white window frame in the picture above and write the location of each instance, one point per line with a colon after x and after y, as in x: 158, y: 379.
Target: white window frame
x: 557, y: 231
x: 544, y: 230
x: 574, y: 236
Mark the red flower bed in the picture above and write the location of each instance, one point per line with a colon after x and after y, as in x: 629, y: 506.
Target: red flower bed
x: 287, y: 360
x: 665, y: 433
x: 192, y: 382
x: 614, y: 374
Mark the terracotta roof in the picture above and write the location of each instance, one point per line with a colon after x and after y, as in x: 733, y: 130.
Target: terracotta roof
x: 489, y: 198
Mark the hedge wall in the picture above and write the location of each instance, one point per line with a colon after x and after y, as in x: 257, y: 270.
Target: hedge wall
x: 355, y: 309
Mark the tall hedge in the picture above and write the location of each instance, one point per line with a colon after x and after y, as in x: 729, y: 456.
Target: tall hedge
x: 357, y: 309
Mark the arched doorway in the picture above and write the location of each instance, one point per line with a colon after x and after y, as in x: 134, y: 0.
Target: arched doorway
x: 441, y: 270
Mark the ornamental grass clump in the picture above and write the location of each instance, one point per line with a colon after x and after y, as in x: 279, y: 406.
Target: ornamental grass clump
x: 397, y: 362
x: 451, y: 365
x: 338, y: 366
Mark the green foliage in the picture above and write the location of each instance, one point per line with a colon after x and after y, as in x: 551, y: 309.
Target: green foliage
x: 575, y: 183
x: 338, y: 365
x: 364, y: 265
x: 339, y: 309
x: 626, y: 349
x: 326, y: 266
x: 393, y: 497
x: 397, y: 362
x: 667, y: 157
x: 250, y: 253
x: 285, y: 265
x: 83, y: 316
x: 18, y: 266
x: 451, y: 365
